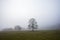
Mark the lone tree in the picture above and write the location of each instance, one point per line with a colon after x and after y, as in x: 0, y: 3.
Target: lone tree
x: 32, y: 24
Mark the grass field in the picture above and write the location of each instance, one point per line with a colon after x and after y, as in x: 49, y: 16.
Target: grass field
x: 29, y: 35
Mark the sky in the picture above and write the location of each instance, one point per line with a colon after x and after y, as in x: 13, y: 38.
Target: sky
x: 19, y: 12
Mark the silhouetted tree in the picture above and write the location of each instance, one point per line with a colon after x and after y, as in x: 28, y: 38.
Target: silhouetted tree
x: 32, y: 24
x: 17, y: 28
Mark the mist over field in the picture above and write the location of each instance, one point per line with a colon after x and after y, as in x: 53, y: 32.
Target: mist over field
x: 29, y: 19
x: 19, y: 12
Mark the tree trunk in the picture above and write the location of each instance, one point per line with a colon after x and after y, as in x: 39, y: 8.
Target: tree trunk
x: 32, y: 29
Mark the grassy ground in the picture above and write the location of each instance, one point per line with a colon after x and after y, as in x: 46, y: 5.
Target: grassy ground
x: 37, y: 35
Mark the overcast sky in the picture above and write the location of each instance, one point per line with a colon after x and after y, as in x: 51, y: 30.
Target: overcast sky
x: 18, y: 12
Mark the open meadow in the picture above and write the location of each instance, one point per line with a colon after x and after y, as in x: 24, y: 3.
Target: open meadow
x: 29, y: 35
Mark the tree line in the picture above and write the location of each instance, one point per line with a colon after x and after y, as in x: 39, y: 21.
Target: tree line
x: 32, y: 25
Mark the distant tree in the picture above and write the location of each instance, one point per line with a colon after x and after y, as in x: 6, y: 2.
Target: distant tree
x: 32, y: 24
x: 17, y: 28
x: 7, y: 29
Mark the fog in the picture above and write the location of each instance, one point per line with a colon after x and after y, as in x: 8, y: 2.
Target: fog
x: 18, y: 12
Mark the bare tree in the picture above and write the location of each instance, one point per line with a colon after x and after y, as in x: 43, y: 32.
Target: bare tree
x: 32, y: 24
